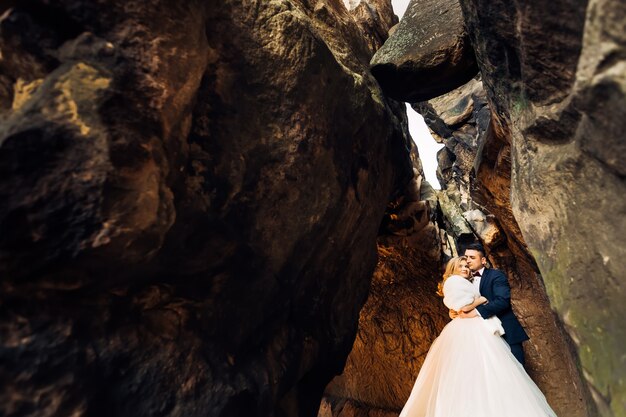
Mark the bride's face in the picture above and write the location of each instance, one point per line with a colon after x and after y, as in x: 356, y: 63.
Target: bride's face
x: 464, y: 270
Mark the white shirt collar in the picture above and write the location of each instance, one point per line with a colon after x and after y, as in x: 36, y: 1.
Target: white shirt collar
x: 476, y: 280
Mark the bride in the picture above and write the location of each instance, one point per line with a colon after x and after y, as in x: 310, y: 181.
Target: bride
x: 469, y: 370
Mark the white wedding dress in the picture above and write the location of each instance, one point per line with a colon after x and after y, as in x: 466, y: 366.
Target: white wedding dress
x: 470, y: 371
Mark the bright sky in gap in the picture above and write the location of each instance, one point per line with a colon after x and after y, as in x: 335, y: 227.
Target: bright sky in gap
x: 426, y: 145
x: 399, y: 7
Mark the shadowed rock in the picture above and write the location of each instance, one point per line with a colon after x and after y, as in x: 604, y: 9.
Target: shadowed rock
x: 190, y: 195
x: 427, y: 55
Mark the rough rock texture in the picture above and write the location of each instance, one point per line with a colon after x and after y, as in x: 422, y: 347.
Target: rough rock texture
x: 190, y: 194
x: 333, y: 407
x: 555, y: 74
x: 402, y: 316
x: 428, y: 54
x: 475, y: 204
x: 375, y: 19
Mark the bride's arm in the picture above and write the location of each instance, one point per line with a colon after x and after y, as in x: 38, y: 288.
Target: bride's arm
x: 478, y: 301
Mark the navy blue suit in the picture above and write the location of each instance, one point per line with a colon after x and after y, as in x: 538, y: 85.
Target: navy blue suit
x: 495, y: 287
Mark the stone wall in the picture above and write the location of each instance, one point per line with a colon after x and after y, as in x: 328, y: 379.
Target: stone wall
x: 190, y: 195
x: 403, y: 314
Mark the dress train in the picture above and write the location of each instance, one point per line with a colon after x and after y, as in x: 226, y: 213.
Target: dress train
x: 470, y: 372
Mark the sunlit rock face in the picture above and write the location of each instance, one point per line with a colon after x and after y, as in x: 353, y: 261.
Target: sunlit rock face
x: 399, y: 322
x: 475, y: 205
x: 190, y: 196
x: 375, y: 18
x: 428, y: 54
x: 402, y: 316
x: 555, y: 75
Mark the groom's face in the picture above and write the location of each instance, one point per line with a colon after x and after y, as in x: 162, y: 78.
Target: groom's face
x: 475, y: 259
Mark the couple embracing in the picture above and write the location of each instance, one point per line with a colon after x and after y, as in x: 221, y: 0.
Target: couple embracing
x: 475, y: 366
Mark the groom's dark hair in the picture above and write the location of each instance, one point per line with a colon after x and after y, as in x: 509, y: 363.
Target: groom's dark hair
x: 477, y: 247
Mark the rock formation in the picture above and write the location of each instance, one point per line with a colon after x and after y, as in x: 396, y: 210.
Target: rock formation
x: 428, y: 54
x: 402, y: 316
x: 190, y: 198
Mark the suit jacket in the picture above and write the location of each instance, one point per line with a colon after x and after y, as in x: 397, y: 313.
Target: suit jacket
x: 495, y: 287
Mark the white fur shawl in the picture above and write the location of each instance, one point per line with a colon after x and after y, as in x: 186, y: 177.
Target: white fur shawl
x: 459, y: 292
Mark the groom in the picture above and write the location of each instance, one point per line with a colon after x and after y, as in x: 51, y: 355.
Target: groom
x: 493, y: 285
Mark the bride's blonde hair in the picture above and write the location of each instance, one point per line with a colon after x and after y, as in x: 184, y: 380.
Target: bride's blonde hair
x: 453, y: 265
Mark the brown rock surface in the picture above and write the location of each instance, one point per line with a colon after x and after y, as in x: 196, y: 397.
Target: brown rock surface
x: 346, y: 408
x: 555, y: 73
x: 402, y: 315
x: 190, y: 197
x: 428, y: 54
x: 374, y: 17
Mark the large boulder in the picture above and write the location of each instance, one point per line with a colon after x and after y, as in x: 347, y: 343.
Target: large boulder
x: 428, y: 54
x: 190, y: 195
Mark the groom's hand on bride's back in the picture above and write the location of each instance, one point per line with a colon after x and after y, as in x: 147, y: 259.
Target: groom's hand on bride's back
x: 462, y: 314
x: 470, y: 314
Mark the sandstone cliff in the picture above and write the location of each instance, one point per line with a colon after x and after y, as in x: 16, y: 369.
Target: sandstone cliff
x: 189, y: 202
